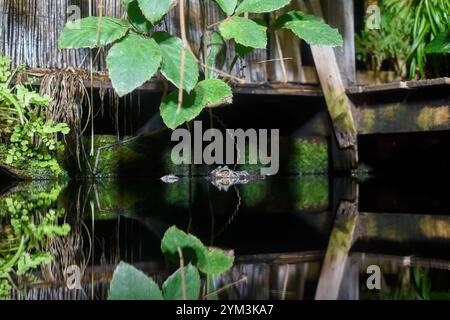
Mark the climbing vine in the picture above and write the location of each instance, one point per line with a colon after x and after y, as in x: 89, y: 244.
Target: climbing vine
x: 138, y: 52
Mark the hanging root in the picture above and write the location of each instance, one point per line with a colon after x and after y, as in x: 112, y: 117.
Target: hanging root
x: 67, y: 90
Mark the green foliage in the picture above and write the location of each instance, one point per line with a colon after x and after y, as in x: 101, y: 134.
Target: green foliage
x: 135, y: 58
x: 134, y: 50
x: 310, y: 28
x: 227, y: 6
x: 5, y: 70
x: 217, y: 53
x: 207, y: 93
x: 5, y: 289
x: 129, y: 283
x: 31, y: 221
x: 23, y: 124
x: 408, y: 25
x: 91, y: 33
x: 155, y: 10
x: 213, y: 262
x: 171, y: 48
x: 244, y: 31
x: 389, y: 43
x: 261, y: 6
x: 136, y: 17
x: 440, y: 44
x: 172, y: 287
x: 36, y: 140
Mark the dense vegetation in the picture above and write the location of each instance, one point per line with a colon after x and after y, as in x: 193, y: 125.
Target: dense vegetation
x: 414, y: 38
x: 30, y: 138
x: 28, y: 221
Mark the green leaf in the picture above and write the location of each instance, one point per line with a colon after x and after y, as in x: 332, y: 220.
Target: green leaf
x: 128, y: 283
x: 227, y: 6
x: 192, y: 106
x: 217, y: 263
x: 83, y: 33
x: 193, y: 249
x: 242, y: 51
x: 28, y: 262
x: 440, y: 44
x: 261, y: 6
x: 155, y: 10
x: 244, y: 31
x: 214, y: 262
x: 215, y: 92
x: 208, y: 93
x: 171, y: 60
x: 217, y: 53
x: 136, y: 17
x: 132, y: 61
x: 309, y: 28
x: 173, y: 287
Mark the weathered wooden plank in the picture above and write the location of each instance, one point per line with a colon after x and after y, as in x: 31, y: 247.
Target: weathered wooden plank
x: 339, y: 107
x: 341, y: 16
x: 419, y: 110
x: 413, y: 261
x: 399, y: 85
x: 30, y: 31
x: 345, y: 205
x: 344, y: 146
x: 335, y: 261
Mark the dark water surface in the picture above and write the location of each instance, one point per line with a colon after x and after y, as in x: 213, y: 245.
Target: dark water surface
x: 294, y: 238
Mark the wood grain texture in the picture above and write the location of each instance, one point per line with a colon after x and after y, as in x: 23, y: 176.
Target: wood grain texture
x: 30, y: 30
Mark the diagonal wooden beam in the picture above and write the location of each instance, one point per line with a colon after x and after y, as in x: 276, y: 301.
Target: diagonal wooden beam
x: 333, y: 84
x: 341, y: 240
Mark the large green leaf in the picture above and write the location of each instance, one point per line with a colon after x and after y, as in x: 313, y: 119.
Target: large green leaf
x: 216, y: 54
x: 128, y: 283
x: 83, y: 33
x: 173, y: 287
x: 193, y: 104
x: 261, y: 6
x: 193, y: 249
x: 215, y: 92
x: 132, y: 61
x: 155, y: 10
x: 213, y: 262
x: 171, y: 60
x: 244, y: 31
x: 208, y: 93
x: 136, y: 17
x: 227, y: 6
x: 217, y: 263
x: 309, y: 28
x: 440, y: 44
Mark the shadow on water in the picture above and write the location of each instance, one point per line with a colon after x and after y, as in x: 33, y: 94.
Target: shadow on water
x: 294, y: 238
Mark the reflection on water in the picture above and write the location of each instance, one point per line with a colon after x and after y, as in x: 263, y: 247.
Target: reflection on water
x: 294, y: 238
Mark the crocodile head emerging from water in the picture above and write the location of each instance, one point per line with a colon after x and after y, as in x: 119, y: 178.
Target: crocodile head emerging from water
x: 223, y: 178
